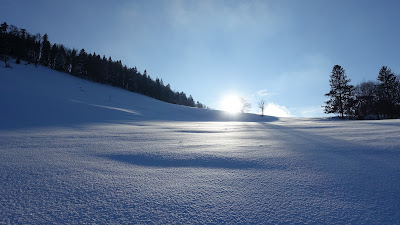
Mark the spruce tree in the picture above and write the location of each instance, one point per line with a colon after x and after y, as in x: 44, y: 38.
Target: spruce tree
x: 82, y: 64
x: 37, y: 49
x: 20, y: 47
x: 53, y: 54
x: 74, y: 62
x: 4, y: 43
x: 59, y: 59
x: 387, y: 93
x: 45, y: 55
x: 341, y: 94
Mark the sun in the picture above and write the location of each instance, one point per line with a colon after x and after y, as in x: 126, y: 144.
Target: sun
x: 231, y: 104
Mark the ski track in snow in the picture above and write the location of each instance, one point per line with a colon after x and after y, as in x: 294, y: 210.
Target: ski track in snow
x: 79, y: 157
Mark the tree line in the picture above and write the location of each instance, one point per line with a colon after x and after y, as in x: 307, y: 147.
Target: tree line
x: 378, y: 99
x: 19, y: 44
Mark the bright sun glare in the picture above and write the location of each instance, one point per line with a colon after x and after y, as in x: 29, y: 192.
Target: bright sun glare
x: 231, y: 104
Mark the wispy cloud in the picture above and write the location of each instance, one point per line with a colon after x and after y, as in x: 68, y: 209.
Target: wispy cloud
x: 263, y: 93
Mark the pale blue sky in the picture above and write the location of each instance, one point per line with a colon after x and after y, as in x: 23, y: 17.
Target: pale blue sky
x: 282, y: 51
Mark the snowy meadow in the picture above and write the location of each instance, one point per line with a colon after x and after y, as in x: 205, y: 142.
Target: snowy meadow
x: 73, y: 151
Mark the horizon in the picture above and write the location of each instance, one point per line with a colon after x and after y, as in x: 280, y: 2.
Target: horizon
x: 282, y: 52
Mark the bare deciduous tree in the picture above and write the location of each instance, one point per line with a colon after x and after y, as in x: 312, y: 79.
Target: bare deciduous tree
x: 244, y: 105
x: 261, y: 105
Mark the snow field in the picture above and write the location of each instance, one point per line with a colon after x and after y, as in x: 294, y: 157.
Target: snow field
x: 75, y: 152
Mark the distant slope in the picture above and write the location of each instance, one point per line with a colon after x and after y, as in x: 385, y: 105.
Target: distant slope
x: 38, y: 96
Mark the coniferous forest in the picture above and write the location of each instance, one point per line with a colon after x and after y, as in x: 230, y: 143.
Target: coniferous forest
x: 378, y: 99
x: 36, y: 49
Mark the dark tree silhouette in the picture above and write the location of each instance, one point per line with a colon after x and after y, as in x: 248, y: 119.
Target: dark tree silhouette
x: 81, y: 65
x: 53, y: 54
x: 341, y: 94
x: 45, y: 54
x: 19, y: 44
x: 37, y: 49
x: 261, y: 105
x: 366, y: 100
x: 59, y: 60
x: 4, y: 43
x: 388, y: 93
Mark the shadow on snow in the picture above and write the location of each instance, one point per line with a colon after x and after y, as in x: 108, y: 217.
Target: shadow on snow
x: 211, y: 162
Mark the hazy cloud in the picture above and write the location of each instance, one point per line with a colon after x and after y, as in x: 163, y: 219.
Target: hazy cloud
x: 257, y: 16
x: 273, y: 109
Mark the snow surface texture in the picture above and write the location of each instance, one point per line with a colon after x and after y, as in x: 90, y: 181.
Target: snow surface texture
x: 76, y: 152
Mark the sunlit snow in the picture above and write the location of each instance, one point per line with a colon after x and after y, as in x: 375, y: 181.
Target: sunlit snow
x: 76, y: 152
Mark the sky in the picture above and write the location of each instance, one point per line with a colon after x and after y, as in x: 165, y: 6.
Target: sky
x: 280, y: 51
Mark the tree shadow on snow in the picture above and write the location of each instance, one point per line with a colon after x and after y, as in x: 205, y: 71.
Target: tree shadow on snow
x: 211, y: 162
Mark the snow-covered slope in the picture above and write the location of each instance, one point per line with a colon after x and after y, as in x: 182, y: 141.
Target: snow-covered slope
x: 75, y: 152
x: 43, y: 97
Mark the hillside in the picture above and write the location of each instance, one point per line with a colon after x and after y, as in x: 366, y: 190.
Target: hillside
x: 44, y: 97
x: 77, y: 152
